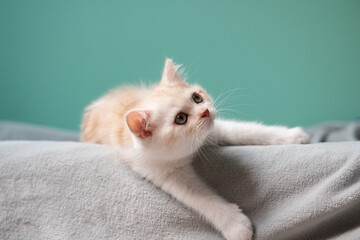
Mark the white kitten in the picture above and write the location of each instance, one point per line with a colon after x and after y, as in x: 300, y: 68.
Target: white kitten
x: 157, y: 130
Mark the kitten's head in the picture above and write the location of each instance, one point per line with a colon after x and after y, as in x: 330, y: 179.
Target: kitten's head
x: 174, y: 120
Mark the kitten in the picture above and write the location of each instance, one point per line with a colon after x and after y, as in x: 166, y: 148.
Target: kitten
x: 157, y: 130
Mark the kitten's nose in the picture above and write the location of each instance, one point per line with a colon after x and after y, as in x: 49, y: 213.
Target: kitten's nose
x: 206, y: 113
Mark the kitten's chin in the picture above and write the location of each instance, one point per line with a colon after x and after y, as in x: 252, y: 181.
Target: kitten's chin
x: 203, y: 130
x: 206, y: 125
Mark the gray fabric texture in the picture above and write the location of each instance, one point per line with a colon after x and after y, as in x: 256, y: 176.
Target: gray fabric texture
x: 334, y: 132
x: 71, y: 190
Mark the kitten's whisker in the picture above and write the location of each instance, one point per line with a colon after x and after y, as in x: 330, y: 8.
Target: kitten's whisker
x: 200, y: 145
x: 231, y: 110
x: 191, y: 146
x: 231, y: 101
x: 223, y: 93
x: 203, y: 154
x: 239, y: 105
x: 208, y: 140
x: 218, y: 96
x: 214, y: 162
x: 197, y: 150
x: 203, y: 132
x: 191, y: 71
x: 208, y: 147
x: 226, y: 99
x: 191, y: 74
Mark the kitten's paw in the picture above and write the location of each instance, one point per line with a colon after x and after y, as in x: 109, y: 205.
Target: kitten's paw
x: 297, y: 136
x: 239, y: 228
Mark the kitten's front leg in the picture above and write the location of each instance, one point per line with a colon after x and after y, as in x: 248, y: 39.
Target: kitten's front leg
x: 250, y: 133
x: 183, y: 184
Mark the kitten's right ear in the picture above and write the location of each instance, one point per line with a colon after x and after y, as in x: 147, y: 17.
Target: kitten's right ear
x: 170, y: 74
x: 138, y: 122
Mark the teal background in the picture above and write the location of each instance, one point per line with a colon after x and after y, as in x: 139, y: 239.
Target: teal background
x: 290, y: 62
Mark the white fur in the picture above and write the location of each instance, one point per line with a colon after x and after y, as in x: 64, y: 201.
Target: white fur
x: 250, y: 133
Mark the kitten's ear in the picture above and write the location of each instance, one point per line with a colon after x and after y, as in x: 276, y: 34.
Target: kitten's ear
x: 138, y: 122
x: 170, y: 74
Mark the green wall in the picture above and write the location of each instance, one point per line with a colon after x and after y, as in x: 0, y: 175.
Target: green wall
x: 292, y: 62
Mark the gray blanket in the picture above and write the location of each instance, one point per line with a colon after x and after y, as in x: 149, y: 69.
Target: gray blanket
x: 72, y: 190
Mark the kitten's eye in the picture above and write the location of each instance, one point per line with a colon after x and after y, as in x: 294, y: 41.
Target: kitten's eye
x: 197, y: 98
x: 181, y: 118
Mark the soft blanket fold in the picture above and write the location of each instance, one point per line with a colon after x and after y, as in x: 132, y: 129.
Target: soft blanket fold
x: 72, y: 190
x: 69, y: 190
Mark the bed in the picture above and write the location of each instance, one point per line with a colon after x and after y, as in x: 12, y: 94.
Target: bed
x: 54, y: 187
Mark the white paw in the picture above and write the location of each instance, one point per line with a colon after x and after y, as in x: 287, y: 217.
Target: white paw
x: 239, y: 228
x: 297, y: 136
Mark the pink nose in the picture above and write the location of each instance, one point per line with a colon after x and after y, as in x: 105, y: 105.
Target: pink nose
x: 205, y: 114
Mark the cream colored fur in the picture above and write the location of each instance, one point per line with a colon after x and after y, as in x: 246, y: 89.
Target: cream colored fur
x: 140, y: 124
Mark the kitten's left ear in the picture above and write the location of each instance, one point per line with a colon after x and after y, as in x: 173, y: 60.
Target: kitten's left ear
x: 138, y: 122
x: 170, y: 74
